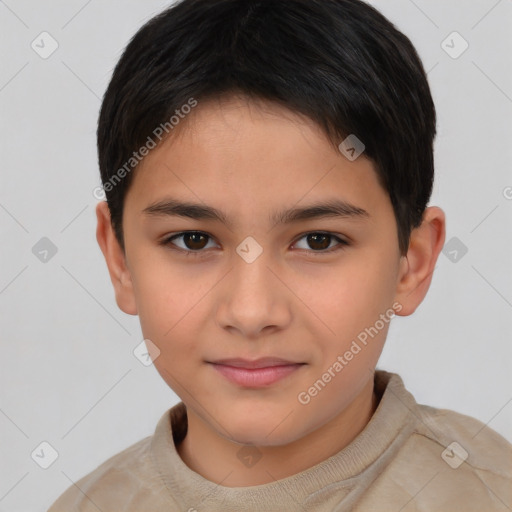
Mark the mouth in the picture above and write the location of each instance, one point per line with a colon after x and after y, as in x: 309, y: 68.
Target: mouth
x: 256, y: 373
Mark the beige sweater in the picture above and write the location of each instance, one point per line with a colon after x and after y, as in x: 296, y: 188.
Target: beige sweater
x: 404, y: 460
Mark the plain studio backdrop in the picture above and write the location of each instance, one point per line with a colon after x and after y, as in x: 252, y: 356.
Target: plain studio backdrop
x: 69, y: 376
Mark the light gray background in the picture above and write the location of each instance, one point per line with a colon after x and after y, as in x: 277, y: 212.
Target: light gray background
x: 68, y: 375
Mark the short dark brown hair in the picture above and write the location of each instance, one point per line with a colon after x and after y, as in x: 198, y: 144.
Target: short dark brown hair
x: 339, y: 62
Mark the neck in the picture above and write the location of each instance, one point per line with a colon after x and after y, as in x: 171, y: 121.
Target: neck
x: 216, y: 458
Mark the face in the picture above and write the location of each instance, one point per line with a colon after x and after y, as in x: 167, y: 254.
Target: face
x: 250, y: 281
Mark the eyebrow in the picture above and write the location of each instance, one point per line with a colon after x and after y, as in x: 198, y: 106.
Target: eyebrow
x: 331, y: 208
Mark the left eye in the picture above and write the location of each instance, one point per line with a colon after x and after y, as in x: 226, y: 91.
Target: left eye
x: 320, y: 242
x: 193, y: 242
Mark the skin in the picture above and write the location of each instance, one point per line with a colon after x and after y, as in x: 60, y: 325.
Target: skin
x: 295, y: 301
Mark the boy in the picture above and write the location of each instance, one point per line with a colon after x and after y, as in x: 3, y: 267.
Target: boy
x: 267, y: 166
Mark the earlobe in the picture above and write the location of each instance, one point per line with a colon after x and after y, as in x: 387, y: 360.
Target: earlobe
x: 116, y: 261
x: 417, y: 267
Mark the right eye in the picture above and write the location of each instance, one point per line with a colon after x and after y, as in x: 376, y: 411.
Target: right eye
x: 192, y: 243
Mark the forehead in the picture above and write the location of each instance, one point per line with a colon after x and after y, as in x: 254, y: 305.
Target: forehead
x: 239, y: 152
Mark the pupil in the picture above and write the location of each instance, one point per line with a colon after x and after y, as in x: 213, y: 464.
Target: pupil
x: 193, y: 238
x: 314, y: 238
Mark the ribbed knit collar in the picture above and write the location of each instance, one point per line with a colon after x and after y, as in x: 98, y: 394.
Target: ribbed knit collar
x: 333, y: 479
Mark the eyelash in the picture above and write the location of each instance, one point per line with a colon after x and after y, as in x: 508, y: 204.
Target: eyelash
x: 198, y: 253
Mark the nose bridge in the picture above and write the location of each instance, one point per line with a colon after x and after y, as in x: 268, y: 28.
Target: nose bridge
x: 251, y: 274
x: 252, y: 298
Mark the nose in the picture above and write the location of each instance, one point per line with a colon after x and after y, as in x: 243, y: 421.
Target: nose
x: 252, y: 299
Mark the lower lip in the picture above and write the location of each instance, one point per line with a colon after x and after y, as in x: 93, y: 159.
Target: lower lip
x: 258, y: 377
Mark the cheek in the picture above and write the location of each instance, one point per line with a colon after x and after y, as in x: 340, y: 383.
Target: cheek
x: 358, y: 290
x: 350, y: 299
x: 172, y: 306
x: 173, y: 326
x: 167, y: 295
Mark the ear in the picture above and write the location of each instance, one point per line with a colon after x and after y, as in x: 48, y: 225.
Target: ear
x: 116, y: 261
x: 417, y: 267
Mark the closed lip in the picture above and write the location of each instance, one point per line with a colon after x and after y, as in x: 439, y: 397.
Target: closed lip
x: 264, y: 362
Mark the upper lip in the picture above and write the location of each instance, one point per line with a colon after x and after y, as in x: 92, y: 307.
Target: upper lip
x: 263, y: 362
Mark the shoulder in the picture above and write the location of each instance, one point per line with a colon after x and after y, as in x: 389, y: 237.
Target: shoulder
x: 454, y: 462
x: 126, y: 481
x: 477, y: 445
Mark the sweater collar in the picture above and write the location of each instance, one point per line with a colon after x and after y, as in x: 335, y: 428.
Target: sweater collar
x: 333, y: 478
